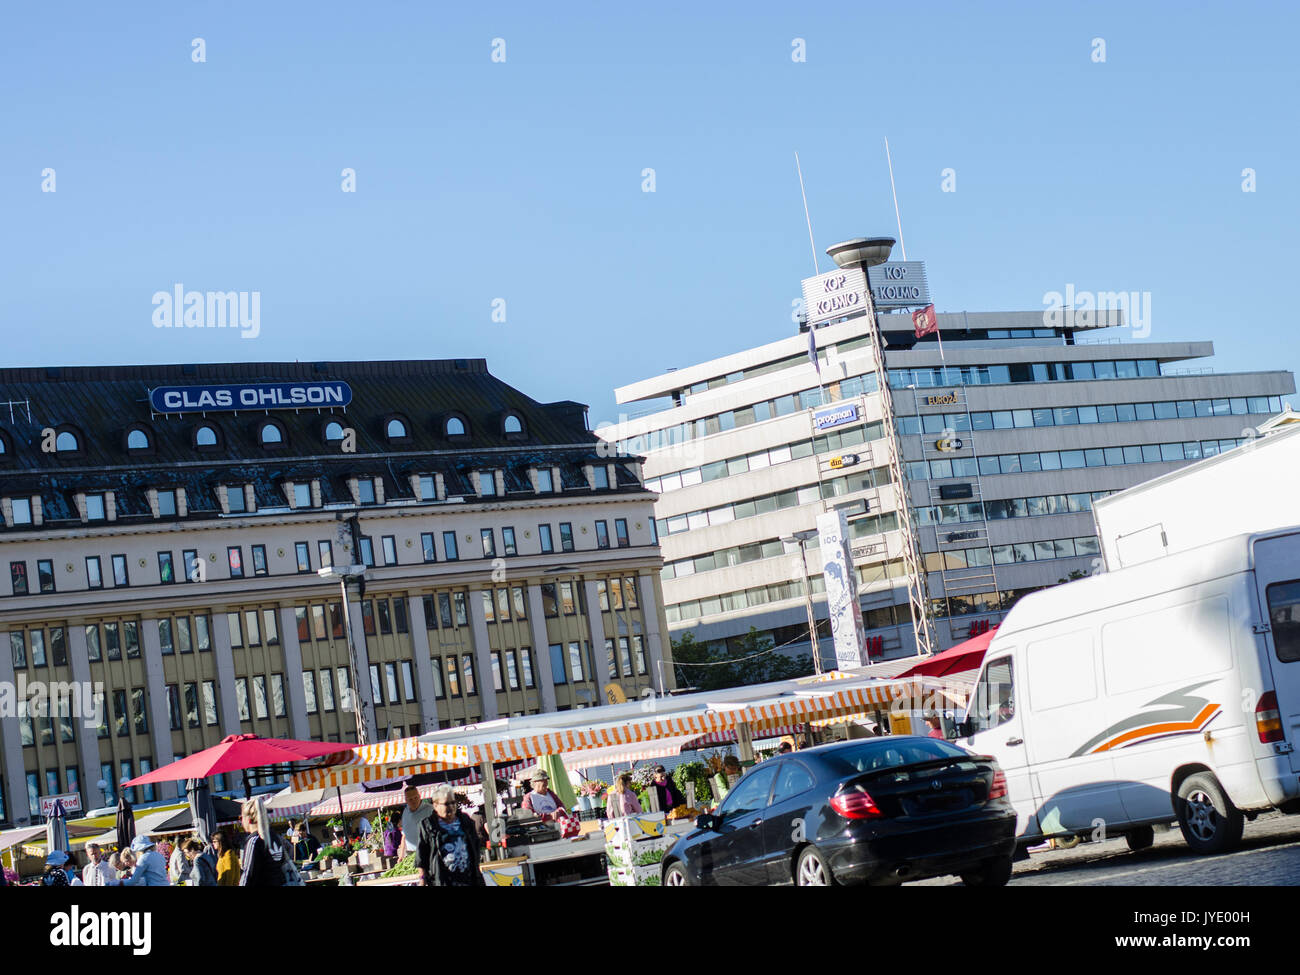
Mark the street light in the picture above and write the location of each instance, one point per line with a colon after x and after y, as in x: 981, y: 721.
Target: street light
x: 802, y: 538
x: 343, y: 574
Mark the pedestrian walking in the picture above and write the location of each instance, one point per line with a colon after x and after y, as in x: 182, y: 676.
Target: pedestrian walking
x: 448, y: 852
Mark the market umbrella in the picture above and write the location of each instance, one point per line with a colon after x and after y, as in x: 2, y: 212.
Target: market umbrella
x: 125, y: 823
x: 960, y: 657
x: 560, y: 784
x: 56, y: 830
x: 236, y: 753
x: 202, y: 814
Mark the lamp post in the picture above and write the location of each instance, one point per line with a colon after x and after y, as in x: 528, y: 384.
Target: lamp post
x: 802, y: 538
x: 343, y: 574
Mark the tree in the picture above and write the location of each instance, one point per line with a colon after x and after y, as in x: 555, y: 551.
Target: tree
x: 752, y: 661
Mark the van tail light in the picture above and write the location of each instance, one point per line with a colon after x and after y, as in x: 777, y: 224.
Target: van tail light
x: 856, y: 805
x: 998, y: 790
x: 1268, y: 720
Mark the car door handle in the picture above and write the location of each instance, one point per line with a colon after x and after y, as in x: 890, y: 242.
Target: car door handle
x: 756, y: 824
x: 1015, y: 741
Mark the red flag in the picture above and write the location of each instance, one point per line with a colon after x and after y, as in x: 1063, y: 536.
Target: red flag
x: 925, y: 321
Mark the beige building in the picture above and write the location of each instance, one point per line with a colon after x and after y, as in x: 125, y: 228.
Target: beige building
x: 165, y: 549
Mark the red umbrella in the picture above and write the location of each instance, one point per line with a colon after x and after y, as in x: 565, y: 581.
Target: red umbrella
x: 238, y: 752
x: 966, y: 655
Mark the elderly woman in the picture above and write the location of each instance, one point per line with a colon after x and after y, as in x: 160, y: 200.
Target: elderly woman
x: 448, y: 852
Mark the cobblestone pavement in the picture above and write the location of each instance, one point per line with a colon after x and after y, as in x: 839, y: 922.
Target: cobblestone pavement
x: 1269, y: 855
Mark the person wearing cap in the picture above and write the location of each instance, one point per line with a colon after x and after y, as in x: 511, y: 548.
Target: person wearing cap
x: 55, y: 875
x: 542, y: 801
x: 150, y: 867
x: 936, y: 726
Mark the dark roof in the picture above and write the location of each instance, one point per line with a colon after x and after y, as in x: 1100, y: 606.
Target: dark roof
x: 100, y: 404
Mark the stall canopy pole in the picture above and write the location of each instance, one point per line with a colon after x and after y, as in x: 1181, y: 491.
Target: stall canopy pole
x: 744, y: 742
x: 495, y: 827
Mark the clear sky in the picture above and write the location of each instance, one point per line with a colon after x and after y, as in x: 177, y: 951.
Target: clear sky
x: 522, y: 180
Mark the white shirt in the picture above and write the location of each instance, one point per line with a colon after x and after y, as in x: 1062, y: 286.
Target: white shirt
x: 542, y: 803
x: 99, y: 874
x: 411, y: 823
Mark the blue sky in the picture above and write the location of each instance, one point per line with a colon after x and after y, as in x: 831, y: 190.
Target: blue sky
x: 522, y: 180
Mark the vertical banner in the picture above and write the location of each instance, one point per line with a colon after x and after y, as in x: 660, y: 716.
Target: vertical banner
x: 841, y: 590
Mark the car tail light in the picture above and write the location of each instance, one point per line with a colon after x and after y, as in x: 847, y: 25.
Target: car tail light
x: 998, y: 790
x: 856, y: 805
x: 1268, y: 720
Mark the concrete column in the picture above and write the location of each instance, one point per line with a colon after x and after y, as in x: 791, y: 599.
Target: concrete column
x: 482, y: 659
x: 541, y: 648
x: 295, y: 697
x: 363, y: 688
x: 87, y: 729
x: 224, y: 660
x: 160, y: 729
x: 654, y: 639
x: 420, y: 650
x: 11, y: 748
x: 596, y: 626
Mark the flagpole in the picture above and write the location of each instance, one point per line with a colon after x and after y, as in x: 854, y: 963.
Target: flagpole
x: 806, y: 216
x: 897, y: 217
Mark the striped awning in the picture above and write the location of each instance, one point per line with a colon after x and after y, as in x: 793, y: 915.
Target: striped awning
x: 809, y: 703
x: 597, y: 757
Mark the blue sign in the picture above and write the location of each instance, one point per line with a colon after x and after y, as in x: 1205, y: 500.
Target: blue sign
x: 249, y: 396
x: 836, y: 416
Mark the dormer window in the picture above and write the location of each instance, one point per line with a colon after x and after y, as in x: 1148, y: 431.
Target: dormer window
x: 513, y: 424
x: 428, y: 488
x: 95, y: 510
x: 138, y: 440
x: 166, y: 504
x: 333, y: 431
x: 205, y: 437
x: 270, y: 434
x: 600, y: 477
x: 487, y: 484
x: 545, y: 484
x: 456, y: 427
x: 22, y: 511
x: 302, y: 495
x: 366, y: 490
x: 67, y: 443
x: 235, y: 502
x: 396, y: 429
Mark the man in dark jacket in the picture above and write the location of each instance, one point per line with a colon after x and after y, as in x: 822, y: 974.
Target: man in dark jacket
x: 449, y: 850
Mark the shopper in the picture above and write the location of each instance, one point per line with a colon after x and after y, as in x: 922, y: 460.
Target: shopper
x: 416, y: 812
x: 622, y: 801
x: 448, y: 851
x: 202, y: 865
x: 542, y: 801
x: 149, y: 869
x: 56, y: 874
x: 177, y: 866
x: 263, y: 862
x: 227, y: 859
x: 97, y: 872
x: 665, y: 791
x: 723, y: 781
x: 305, y: 846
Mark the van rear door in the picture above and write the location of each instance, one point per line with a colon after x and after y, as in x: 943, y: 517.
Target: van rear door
x: 1277, y: 578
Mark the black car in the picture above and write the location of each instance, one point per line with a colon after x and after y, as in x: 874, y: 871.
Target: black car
x: 875, y: 811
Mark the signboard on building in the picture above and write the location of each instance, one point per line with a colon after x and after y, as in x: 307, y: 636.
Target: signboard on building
x: 942, y: 399
x: 835, y: 416
x: 948, y: 444
x: 842, y: 461
x: 866, y: 551
x: 250, y: 396
x: 841, y: 590
x: 834, y: 294
x: 899, y: 284
x: 955, y: 492
x: 71, y: 803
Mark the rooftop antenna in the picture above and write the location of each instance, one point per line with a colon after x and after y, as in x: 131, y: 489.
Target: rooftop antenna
x: 890, y: 160
x: 804, y: 194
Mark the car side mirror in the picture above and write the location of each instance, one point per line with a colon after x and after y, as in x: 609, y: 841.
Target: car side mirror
x: 706, y: 821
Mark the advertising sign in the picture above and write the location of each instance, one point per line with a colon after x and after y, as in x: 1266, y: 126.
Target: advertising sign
x: 835, y: 294
x: 71, y: 803
x: 899, y: 284
x: 249, y: 396
x: 835, y: 416
x: 841, y: 590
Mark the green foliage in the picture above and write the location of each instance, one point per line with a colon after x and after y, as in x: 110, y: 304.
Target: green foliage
x: 697, y: 773
x: 403, y: 867
x: 730, y: 668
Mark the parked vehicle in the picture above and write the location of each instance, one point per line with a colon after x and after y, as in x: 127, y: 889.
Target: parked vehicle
x: 1168, y: 690
x: 875, y: 811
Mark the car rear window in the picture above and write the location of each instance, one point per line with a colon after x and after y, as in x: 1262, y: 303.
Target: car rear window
x: 887, y: 753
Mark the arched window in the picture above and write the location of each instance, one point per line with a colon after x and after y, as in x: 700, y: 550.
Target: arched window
x: 396, y: 429
x: 66, y: 442
x: 270, y: 434
x: 205, y: 436
x: 455, y: 427
x: 333, y: 431
x: 513, y: 424
x: 137, y: 439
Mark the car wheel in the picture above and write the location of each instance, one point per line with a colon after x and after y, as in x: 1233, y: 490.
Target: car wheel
x: 1207, y: 817
x: 1140, y: 839
x: 675, y: 876
x: 1067, y: 842
x: 994, y: 873
x: 811, y: 870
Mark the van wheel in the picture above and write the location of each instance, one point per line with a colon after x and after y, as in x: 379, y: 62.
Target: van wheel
x: 1140, y: 839
x: 1207, y: 817
x: 993, y: 873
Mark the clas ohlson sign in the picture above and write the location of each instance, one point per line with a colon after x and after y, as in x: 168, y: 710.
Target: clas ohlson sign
x: 249, y: 396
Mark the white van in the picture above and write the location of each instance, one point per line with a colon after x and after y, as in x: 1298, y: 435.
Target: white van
x: 1169, y: 690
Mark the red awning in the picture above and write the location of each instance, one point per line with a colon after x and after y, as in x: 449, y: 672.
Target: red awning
x: 966, y: 655
x: 238, y: 752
